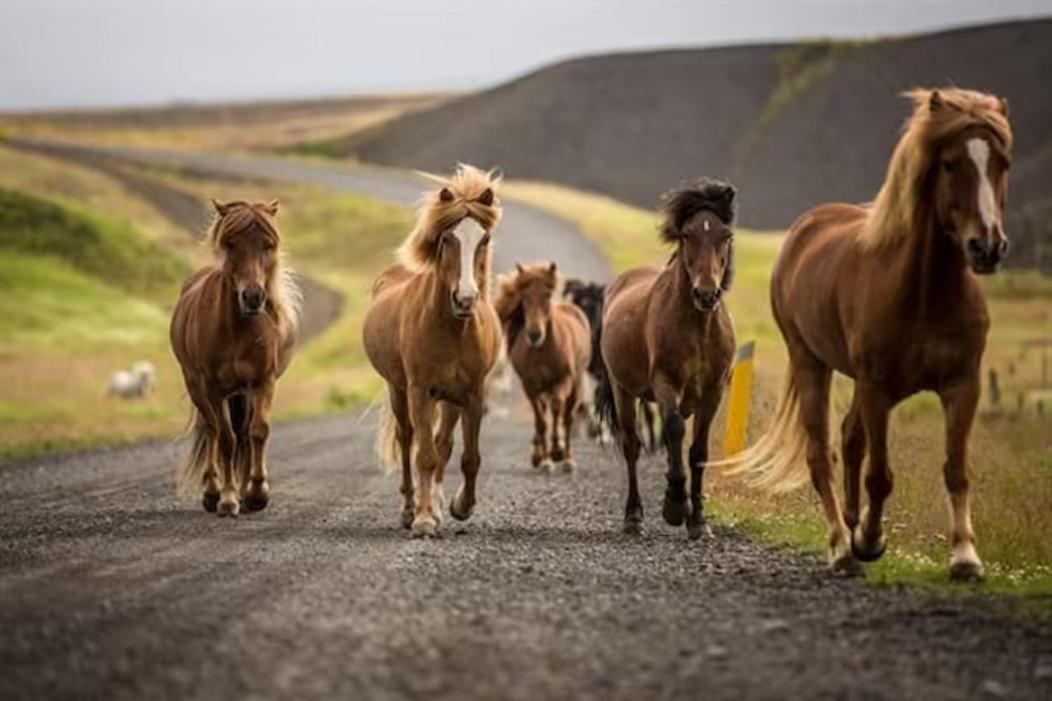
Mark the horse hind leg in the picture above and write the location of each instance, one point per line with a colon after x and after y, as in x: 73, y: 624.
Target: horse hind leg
x: 224, y: 452
x: 570, y: 412
x: 404, y: 437
x: 625, y: 405
x: 253, y: 437
x: 450, y: 415
x: 853, y: 452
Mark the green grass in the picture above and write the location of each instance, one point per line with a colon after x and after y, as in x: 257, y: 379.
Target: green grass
x: 1011, y: 450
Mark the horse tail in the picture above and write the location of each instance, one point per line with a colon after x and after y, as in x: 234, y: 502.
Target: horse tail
x: 387, y: 449
x: 190, y: 474
x: 775, y: 463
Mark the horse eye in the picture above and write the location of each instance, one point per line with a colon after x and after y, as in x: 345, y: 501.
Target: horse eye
x: 948, y: 166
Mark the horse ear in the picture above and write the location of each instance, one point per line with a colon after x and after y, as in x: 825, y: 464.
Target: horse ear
x: 1002, y: 103
x: 935, y: 101
x: 519, y: 268
x: 445, y: 195
x: 552, y: 268
x: 271, y: 208
x: 729, y: 192
x: 221, y: 208
x: 486, y: 198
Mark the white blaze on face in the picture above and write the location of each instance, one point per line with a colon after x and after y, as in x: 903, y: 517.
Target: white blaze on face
x: 469, y: 233
x: 979, y: 151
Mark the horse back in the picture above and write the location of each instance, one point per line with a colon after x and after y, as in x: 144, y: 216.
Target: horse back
x: 579, y: 331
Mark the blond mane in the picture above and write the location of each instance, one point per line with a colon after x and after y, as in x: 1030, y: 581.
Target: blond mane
x: 938, y: 115
x: 282, y: 290
x: 469, y: 192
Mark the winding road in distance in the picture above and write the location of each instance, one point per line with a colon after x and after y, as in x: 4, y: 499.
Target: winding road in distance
x: 111, y: 587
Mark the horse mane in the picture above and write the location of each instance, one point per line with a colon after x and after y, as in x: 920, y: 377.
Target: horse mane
x: 283, y: 292
x: 510, y: 287
x: 678, y: 206
x: 938, y: 116
x: 469, y: 192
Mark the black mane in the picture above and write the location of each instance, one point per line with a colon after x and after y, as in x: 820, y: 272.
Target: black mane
x: 680, y: 205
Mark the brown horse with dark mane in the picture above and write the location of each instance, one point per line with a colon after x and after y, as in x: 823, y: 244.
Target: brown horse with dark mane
x: 888, y: 295
x: 667, y: 337
x: 549, y: 345
x: 233, y: 332
x: 433, y: 335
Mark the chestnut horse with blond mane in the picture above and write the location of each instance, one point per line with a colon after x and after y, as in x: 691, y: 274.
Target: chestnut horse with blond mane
x: 433, y: 335
x: 667, y: 337
x: 233, y: 332
x: 549, y: 346
x: 889, y: 295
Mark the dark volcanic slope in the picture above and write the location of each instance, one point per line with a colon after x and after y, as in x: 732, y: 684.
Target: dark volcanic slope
x: 795, y: 125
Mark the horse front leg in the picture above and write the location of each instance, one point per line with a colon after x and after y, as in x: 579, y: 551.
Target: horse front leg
x: 539, y: 457
x: 853, y: 452
x: 257, y: 493
x: 421, y: 412
x: 959, y: 404
x: 470, y: 462
x: 867, y: 539
x: 571, y: 410
x: 698, y: 455
x: 676, y: 508
x: 559, y: 396
x: 450, y: 414
x: 225, y: 446
x: 404, y: 437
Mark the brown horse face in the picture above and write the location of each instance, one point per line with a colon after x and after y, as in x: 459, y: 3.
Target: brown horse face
x: 250, y: 259
x: 462, y: 265
x: 970, y: 189
x: 705, y: 252
x: 537, y: 306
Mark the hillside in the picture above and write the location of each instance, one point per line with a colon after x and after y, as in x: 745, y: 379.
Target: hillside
x: 794, y: 124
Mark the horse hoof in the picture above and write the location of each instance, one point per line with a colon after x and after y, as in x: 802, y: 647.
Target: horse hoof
x: 864, y: 551
x: 845, y: 566
x: 407, y: 517
x: 545, y: 466
x: 967, y: 571
x: 569, y: 465
x: 210, y: 501
x: 697, y: 529
x: 457, y: 509
x: 425, y: 527
x: 228, y: 508
x: 675, y: 512
x: 558, y: 454
x: 632, y: 526
x: 257, y: 497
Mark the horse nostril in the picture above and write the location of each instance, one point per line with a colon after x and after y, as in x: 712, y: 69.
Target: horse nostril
x: 975, y: 246
x: 1002, y: 247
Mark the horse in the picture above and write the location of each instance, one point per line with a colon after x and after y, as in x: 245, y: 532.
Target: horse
x: 667, y: 337
x: 549, y: 346
x: 233, y: 332
x: 588, y: 296
x: 888, y: 294
x: 433, y: 335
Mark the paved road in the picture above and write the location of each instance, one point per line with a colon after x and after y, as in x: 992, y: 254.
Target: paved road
x: 110, y: 587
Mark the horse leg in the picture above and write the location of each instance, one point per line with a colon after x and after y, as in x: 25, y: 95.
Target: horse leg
x: 226, y: 447
x: 853, y: 452
x: 625, y: 404
x: 404, y: 436
x: 540, y: 458
x: 959, y: 404
x: 470, y: 461
x: 570, y: 412
x: 205, y: 423
x: 676, y: 508
x: 699, y: 455
x: 421, y: 411
x: 650, y: 420
x: 258, y: 492
x: 867, y: 539
x: 559, y: 397
x: 450, y: 414
x: 813, y: 382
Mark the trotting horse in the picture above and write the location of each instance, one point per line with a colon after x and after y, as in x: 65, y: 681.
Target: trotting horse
x: 433, y: 335
x: 888, y: 295
x: 667, y: 337
x: 549, y: 346
x: 233, y: 331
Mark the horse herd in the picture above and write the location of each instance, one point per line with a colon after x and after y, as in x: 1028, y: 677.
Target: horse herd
x: 886, y: 294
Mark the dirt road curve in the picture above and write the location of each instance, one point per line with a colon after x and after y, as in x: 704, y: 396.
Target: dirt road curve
x: 110, y: 587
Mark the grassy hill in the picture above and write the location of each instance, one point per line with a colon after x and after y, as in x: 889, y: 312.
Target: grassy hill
x: 794, y: 124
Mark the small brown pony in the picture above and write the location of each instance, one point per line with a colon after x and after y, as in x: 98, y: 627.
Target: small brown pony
x: 550, y: 348
x: 233, y: 332
x: 433, y: 335
x: 666, y: 337
x: 888, y: 295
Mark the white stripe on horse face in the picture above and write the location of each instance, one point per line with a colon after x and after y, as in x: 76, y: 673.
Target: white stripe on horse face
x: 979, y: 150
x: 470, y: 234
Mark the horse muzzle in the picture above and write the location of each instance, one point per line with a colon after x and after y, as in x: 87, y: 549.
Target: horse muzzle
x: 706, y: 300
x: 252, y: 300
x: 985, y: 258
x: 535, y: 338
x: 463, y: 308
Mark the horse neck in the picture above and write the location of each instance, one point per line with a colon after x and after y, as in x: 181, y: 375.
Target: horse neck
x: 931, y: 269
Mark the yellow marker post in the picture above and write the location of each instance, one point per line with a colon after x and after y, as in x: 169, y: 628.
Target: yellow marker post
x: 738, y: 405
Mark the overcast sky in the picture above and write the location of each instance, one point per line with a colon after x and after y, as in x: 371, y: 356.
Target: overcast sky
x: 65, y: 53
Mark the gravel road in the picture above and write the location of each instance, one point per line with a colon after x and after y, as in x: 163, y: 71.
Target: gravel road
x: 111, y: 587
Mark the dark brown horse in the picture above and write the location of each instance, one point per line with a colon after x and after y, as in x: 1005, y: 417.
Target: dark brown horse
x: 233, y: 332
x: 433, y: 335
x: 549, y: 346
x: 667, y: 337
x: 888, y: 295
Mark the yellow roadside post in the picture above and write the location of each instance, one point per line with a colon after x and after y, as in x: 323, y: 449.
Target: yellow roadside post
x: 738, y: 405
